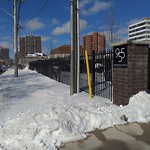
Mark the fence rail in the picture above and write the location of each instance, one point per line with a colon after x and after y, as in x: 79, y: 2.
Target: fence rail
x: 56, y: 68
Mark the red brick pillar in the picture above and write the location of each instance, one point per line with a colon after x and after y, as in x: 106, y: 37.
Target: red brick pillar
x: 131, y: 76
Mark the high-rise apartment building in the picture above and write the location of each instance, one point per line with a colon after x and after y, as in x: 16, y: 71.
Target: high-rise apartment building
x: 140, y: 31
x: 95, y: 41
x: 22, y: 47
x: 4, y: 53
x: 29, y: 45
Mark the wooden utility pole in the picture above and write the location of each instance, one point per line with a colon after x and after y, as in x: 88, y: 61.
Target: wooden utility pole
x: 15, y: 40
x: 78, y: 48
x: 71, y: 50
x: 74, y: 64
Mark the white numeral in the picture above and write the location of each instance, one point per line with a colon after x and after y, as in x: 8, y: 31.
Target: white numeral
x: 119, y: 53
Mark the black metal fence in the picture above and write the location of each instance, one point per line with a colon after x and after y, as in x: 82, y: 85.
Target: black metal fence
x: 56, y: 68
x: 100, y: 70
x: 101, y: 74
x: 149, y: 70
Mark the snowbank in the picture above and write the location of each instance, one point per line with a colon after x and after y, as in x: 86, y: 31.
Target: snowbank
x: 42, y: 114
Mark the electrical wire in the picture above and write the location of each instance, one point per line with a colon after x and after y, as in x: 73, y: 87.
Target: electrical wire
x: 40, y: 11
x: 6, y: 12
x: 18, y: 18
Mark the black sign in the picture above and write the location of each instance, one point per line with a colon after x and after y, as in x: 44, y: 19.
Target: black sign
x: 120, y: 56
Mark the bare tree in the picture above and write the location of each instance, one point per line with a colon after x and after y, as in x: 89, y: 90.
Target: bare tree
x: 111, y: 28
x: 49, y: 49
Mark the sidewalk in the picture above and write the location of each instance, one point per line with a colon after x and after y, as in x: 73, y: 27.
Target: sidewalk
x: 123, y: 137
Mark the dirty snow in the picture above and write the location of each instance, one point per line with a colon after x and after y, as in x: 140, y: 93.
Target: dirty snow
x: 37, y: 112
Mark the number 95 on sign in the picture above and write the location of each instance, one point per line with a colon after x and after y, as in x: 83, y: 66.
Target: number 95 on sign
x: 120, y: 56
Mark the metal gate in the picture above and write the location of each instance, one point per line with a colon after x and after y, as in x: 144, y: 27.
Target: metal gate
x: 101, y: 74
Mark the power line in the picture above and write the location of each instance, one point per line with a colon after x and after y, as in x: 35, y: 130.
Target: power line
x: 18, y: 17
x: 40, y: 11
x: 6, y: 12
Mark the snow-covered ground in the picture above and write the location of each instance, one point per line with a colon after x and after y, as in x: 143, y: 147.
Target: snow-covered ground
x: 37, y: 112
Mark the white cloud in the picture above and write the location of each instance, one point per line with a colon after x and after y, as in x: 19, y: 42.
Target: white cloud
x: 34, y: 25
x: 6, y: 41
x: 45, y: 38
x: 5, y: 44
x: 54, y: 21
x: 83, y: 3
x: 83, y: 24
x: 123, y: 30
x: 90, y: 33
x: 97, y: 6
x: 55, y: 41
x: 65, y: 28
x: 133, y: 21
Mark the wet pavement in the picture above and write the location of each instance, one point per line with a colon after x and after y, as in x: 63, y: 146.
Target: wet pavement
x: 122, y: 137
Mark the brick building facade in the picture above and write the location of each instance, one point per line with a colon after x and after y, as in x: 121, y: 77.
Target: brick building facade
x: 4, y: 53
x: 63, y: 51
x: 95, y: 41
x: 134, y: 78
x: 29, y: 45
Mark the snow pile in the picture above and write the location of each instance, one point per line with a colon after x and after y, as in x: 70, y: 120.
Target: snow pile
x: 42, y: 114
x: 138, y: 109
x: 36, y: 54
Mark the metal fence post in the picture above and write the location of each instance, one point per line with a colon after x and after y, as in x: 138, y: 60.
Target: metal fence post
x: 93, y: 72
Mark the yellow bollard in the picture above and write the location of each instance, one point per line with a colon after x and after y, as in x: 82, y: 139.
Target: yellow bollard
x: 88, y: 73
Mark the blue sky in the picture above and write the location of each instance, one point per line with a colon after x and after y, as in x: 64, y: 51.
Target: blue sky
x: 53, y: 22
